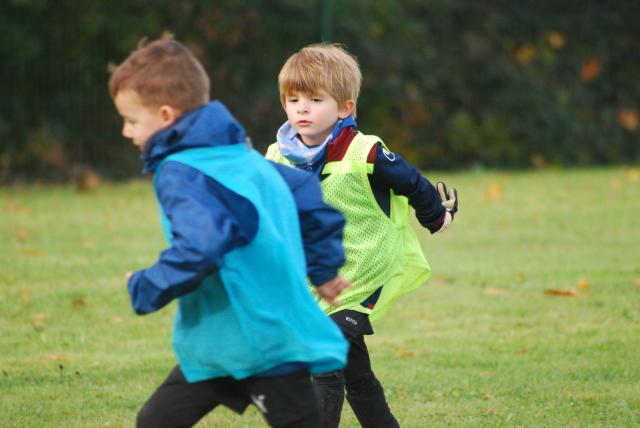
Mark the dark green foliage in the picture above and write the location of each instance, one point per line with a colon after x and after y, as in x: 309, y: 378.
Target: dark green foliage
x: 449, y: 84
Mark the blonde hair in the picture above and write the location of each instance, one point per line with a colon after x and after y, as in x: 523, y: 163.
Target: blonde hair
x: 324, y: 66
x: 163, y: 72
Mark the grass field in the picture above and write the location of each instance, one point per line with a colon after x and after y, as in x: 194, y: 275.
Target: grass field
x: 532, y: 316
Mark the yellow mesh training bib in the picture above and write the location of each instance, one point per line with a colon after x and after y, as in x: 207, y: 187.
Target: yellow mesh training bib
x: 380, y: 250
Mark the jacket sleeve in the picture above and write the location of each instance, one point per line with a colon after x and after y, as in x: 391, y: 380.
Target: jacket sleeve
x: 321, y: 225
x: 391, y: 171
x: 202, y: 229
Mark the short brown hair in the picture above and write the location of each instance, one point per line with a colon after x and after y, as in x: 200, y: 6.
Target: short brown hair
x: 163, y: 72
x: 324, y: 66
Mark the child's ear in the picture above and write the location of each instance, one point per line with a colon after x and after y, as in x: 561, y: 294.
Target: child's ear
x: 168, y: 114
x: 347, y: 109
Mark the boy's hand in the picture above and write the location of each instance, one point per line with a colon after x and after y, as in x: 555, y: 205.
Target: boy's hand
x: 450, y: 202
x: 331, y: 289
x: 449, y: 198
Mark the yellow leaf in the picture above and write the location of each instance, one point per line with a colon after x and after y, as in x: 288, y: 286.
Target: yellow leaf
x: 556, y: 40
x: 628, y: 119
x: 56, y: 357
x: 520, y: 277
x: 25, y: 295
x: 583, y: 285
x: 32, y: 253
x: 633, y: 175
x: 526, y: 53
x: 493, y: 193
x: 560, y: 293
x: 636, y: 282
x: 404, y: 353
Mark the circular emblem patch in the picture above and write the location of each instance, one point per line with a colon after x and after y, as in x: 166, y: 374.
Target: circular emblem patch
x: 388, y: 154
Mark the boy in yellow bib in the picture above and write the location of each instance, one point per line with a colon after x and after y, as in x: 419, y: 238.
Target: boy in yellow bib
x: 373, y: 187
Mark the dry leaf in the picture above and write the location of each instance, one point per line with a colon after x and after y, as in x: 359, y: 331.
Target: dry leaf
x: 404, y: 353
x: 520, y: 277
x: 524, y: 351
x: 590, y: 70
x: 56, y: 357
x: 38, y: 324
x: 488, y: 395
x: 633, y: 175
x: 561, y: 293
x: 493, y: 193
x: 556, y: 40
x: 583, y: 285
x: 25, y: 295
x: 6, y: 278
x: 628, y: 119
x: 636, y: 282
x: 79, y: 303
x: 32, y: 253
x: 526, y: 53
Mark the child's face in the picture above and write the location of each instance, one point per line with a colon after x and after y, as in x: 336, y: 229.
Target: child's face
x: 140, y: 121
x: 313, y: 116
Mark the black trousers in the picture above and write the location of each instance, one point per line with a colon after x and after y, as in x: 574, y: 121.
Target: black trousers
x: 289, y: 401
x: 365, y: 394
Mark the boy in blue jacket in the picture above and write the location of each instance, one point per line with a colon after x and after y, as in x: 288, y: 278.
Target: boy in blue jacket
x: 246, y: 329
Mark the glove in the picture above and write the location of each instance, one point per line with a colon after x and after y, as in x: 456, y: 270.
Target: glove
x: 450, y: 201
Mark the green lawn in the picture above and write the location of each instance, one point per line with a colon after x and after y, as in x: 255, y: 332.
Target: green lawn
x: 482, y: 344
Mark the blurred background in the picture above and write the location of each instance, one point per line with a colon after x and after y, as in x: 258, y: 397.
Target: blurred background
x: 451, y: 84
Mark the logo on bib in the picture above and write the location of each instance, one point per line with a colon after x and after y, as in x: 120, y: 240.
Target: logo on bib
x: 388, y: 154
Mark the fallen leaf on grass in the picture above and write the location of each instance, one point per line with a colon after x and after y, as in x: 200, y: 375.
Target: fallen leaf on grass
x: 636, y: 282
x: 6, y: 278
x: 32, y: 253
x: 560, y: 293
x: 492, y: 411
x: 488, y: 395
x: 493, y: 193
x: 22, y: 235
x: 633, y: 175
x: 583, y: 285
x: 56, y: 357
x: 404, y: 353
x: 117, y: 320
x: 524, y: 351
x: 520, y: 277
x: 25, y: 295
x: 79, y: 303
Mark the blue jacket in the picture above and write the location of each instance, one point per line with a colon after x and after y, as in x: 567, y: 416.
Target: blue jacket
x: 236, y: 225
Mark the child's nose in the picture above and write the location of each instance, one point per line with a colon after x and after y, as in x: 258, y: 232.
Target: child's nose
x: 303, y: 107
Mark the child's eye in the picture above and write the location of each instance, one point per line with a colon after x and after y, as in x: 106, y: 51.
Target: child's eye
x: 316, y: 100
x: 292, y: 100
